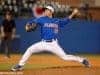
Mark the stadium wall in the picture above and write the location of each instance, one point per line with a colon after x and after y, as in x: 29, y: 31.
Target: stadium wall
x: 77, y: 37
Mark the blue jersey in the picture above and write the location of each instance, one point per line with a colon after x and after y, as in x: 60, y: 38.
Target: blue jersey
x: 49, y: 26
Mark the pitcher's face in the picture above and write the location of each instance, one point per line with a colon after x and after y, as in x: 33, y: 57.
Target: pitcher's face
x: 48, y: 13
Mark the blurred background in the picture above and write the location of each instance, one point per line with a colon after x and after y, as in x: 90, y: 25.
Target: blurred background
x: 22, y: 8
x: 81, y: 35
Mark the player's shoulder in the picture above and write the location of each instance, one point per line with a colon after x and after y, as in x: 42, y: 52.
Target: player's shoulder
x: 39, y: 18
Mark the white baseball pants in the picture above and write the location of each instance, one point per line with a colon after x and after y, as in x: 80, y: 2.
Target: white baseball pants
x: 52, y: 47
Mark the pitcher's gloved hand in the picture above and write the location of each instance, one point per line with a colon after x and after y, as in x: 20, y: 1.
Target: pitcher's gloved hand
x: 31, y: 27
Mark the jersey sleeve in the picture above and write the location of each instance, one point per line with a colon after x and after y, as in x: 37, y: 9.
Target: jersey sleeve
x: 63, y: 22
x: 36, y: 21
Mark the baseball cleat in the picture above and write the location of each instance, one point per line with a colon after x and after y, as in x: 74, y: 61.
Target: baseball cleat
x: 86, y: 63
x: 17, y: 68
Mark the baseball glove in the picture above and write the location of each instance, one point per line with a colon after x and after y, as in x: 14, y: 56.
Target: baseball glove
x: 30, y: 28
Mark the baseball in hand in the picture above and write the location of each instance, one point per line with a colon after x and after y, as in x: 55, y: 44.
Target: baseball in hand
x: 75, y: 11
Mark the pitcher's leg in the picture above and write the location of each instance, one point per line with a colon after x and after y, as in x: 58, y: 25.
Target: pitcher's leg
x: 67, y: 57
x: 72, y: 58
x: 25, y: 57
x: 32, y: 49
x: 56, y: 49
x: 60, y: 52
x: 83, y: 61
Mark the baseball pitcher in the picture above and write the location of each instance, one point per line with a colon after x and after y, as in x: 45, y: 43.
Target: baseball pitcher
x: 49, y: 32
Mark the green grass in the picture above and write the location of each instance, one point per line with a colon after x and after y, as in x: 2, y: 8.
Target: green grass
x: 27, y: 66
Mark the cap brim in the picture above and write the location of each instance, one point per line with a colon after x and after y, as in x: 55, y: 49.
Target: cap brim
x: 46, y: 9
